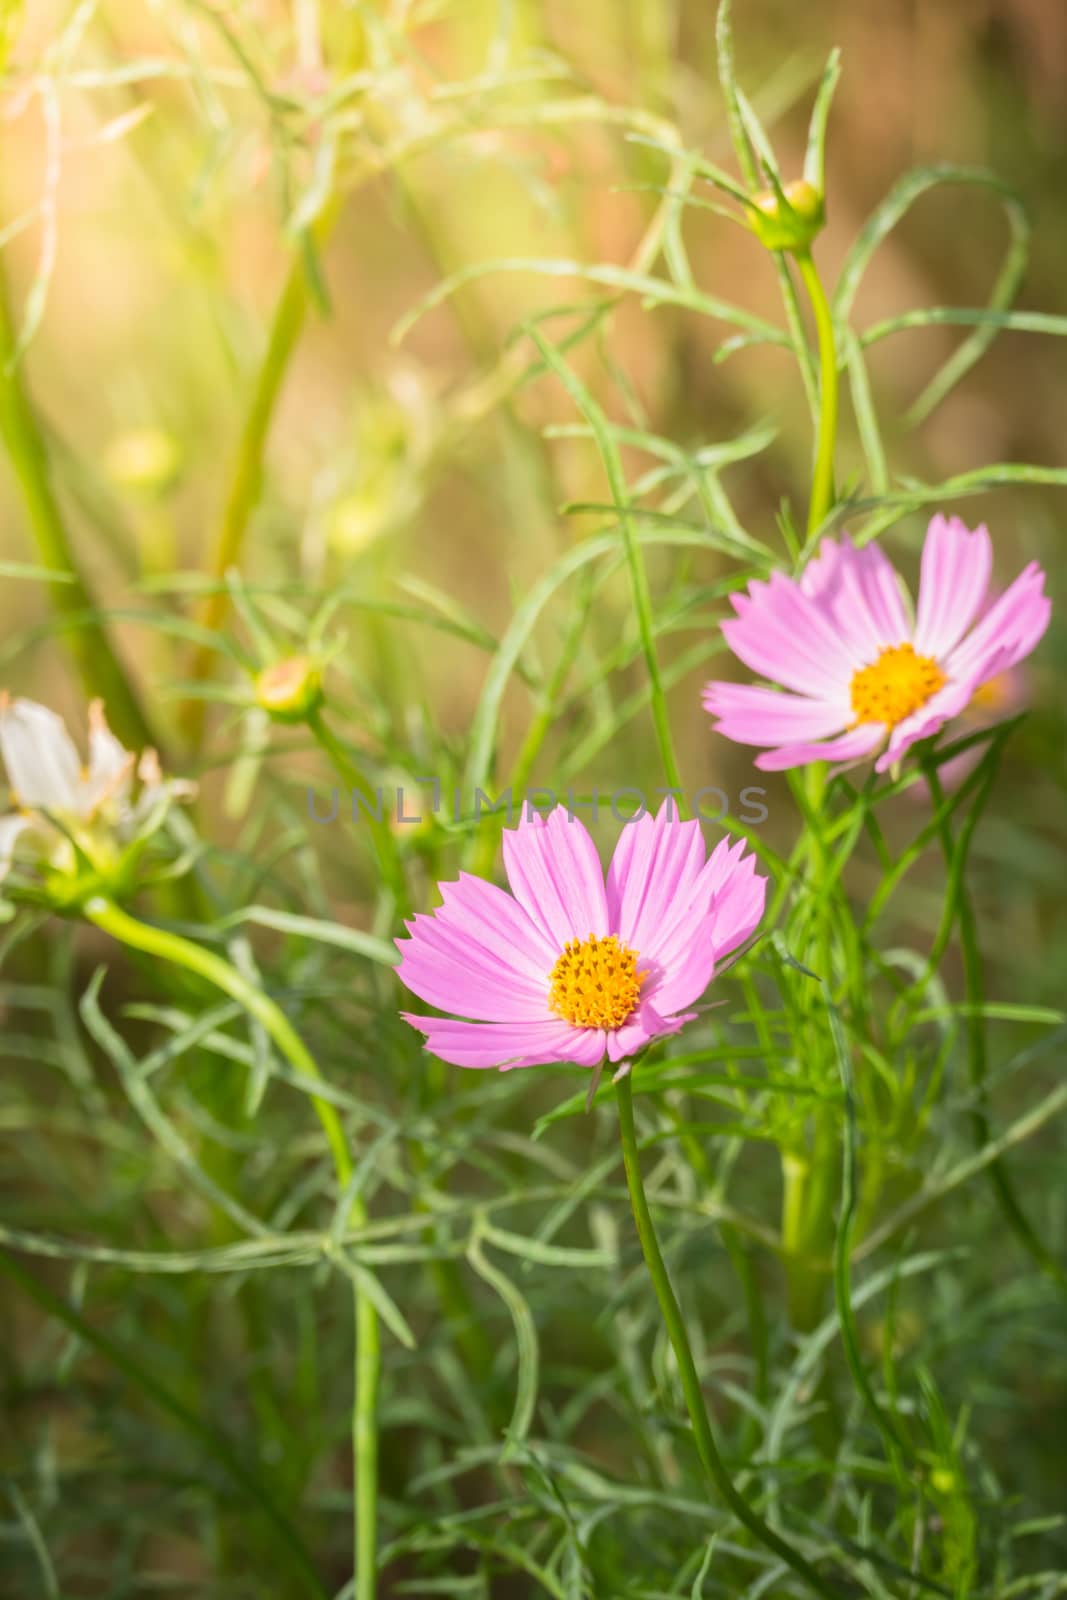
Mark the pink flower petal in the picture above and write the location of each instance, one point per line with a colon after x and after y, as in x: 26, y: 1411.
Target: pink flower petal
x: 460, y: 976
x: 481, y: 912
x: 710, y: 916
x: 507, y: 1045
x: 645, y: 1025
x: 724, y: 909
x: 750, y: 715
x: 956, y: 567
x: 556, y: 877
x: 478, y: 955
x: 928, y: 720
x: 687, y: 971
x: 1008, y: 632
x: 656, y: 863
x: 851, y: 746
x: 782, y: 633
x: 738, y: 904
x: 860, y: 590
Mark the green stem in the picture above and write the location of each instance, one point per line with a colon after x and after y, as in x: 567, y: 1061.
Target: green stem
x: 822, y: 485
x: 182, y: 952
x: 675, y: 1324
x: 974, y: 989
x: 98, y: 666
x: 808, y: 1189
x: 247, y: 476
x: 894, y: 1441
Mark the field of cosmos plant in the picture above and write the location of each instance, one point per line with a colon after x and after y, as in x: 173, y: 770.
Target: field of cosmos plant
x: 532, y: 827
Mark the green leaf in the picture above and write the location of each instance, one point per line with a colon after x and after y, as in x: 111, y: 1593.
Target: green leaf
x: 332, y: 933
x: 815, y: 155
x: 525, y: 1342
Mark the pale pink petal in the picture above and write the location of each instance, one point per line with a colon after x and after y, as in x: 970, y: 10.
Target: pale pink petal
x: 458, y: 975
x: 726, y: 860
x: 860, y: 590
x: 645, y: 1025
x: 956, y: 567
x: 718, y: 911
x: 784, y: 635
x: 686, y: 968
x: 750, y: 715
x: 928, y: 720
x: 656, y: 863
x: 555, y: 875
x: 851, y: 746
x: 1008, y: 632
x: 687, y: 925
x: 506, y: 1045
x: 737, y: 907
x: 478, y: 955
x: 488, y: 916
x: 724, y: 910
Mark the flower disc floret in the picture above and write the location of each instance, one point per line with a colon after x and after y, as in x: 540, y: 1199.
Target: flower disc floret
x: 595, y: 983
x: 895, y: 685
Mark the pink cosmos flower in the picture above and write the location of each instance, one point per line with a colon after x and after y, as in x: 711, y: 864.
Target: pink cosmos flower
x: 568, y: 966
x: 862, y: 675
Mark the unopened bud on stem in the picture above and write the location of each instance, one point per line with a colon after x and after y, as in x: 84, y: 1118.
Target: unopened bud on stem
x: 790, y: 224
x: 290, y: 690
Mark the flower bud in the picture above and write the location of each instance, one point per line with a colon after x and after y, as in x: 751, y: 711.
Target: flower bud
x: 143, y: 460
x: 356, y: 519
x: 290, y: 690
x: 792, y: 225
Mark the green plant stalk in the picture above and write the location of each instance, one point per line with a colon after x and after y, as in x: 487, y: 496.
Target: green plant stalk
x: 809, y: 1187
x: 822, y: 484
x: 974, y: 988
x: 674, y: 1322
x: 893, y: 1439
x: 182, y: 952
x: 243, y: 493
x: 96, y: 662
x: 808, y: 1177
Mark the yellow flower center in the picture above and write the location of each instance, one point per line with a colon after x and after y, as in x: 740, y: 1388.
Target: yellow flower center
x: 595, y: 982
x: 895, y: 685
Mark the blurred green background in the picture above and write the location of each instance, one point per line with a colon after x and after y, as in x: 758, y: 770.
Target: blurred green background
x: 163, y: 163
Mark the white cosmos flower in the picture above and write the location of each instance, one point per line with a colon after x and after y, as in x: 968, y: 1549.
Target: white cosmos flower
x: 101, y: 806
